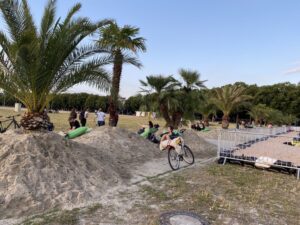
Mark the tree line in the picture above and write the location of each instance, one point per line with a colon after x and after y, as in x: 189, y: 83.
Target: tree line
x: 278, y: 103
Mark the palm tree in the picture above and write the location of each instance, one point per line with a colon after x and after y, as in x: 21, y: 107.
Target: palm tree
x: 228, y: 98
x: 158, y: 89
x: 259, y: 113
x: 189, y: 95
x: 191, y: 79
x: 206, y: 108
x: 120, y: 42
x: 36, y: 64
x: 173, y: 99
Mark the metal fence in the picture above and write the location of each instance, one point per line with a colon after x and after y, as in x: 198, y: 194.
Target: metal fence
x: 232, y: 145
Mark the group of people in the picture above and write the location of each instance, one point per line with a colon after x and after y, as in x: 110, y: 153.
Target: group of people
x: 83, y: 115
x: 198, y: 126
x: 169, y: 138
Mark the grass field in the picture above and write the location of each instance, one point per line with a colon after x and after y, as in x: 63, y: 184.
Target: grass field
x: 131, y: 123
x: 61, y: 123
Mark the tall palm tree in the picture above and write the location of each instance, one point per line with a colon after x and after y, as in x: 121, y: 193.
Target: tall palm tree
x: 158, y: 89
x: 120, y: 42
x: 37, y: 63
x: 228, y: 98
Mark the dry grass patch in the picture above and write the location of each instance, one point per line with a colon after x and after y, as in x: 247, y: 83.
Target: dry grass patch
x: 228, y: 194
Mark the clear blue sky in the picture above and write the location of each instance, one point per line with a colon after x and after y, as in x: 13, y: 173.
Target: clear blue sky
x: 255, y: 41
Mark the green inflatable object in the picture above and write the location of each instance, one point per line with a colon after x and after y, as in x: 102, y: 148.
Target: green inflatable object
x: 77, y: 132
x: 148, y: 131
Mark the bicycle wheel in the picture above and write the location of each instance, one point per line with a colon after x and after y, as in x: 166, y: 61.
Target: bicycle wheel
x: 173, y: 159
x: 188, y: 155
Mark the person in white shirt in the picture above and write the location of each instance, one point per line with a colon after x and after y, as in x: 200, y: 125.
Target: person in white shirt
x: 100, y: 117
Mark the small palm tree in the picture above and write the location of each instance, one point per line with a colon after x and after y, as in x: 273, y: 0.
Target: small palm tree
x: 228, y: 98
x: 120, y: 42
x: 189, y: 95
x: 206, y: 108
x: 191, y: 79
x: 158, y: 89
x: 36, y: 64
x: 259, y: 113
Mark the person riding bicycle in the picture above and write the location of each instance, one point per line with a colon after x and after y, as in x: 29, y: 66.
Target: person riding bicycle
x: 171, y: 138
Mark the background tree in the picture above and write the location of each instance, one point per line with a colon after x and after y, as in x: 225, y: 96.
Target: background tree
x: 134, y: 103
x: 259, y: 113
x: 227, y: 98
x: 184, y: 101
x: 159, y: 89
x: 175, y: 100
x: 36, y: 64
x: 120, y: 42
x: 206, y: 107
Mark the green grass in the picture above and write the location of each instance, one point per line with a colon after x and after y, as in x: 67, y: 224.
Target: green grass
x: 61, y: 123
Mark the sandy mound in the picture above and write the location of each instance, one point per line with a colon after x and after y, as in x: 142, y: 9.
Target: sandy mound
x: 200, y: 147
x: 42, y: 171
x: 124, y: 147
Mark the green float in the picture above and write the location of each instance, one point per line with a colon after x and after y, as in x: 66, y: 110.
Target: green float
x: 77, y: 132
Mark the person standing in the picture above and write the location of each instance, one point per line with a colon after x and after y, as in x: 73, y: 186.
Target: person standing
x: 83, y: 117
x: 72, y: 118
x: 100, y: 118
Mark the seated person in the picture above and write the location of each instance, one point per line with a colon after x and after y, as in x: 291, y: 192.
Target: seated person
x: 144, y: 132
x: 152, y: 136
x: 201, y: 125
x: 170, y: 139
x: 75, y: 124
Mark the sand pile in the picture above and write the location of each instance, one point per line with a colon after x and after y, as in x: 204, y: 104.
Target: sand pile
x: 200, y: 147
x: 40, y: 171
x: 127, y: 147
x: 124, y: 147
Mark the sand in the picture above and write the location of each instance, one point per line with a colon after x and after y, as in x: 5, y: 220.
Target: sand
x: 275, y: 149
x: 41, y: 171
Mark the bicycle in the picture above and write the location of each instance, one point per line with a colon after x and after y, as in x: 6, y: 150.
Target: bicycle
x: 174, y: 158
x: 12, y: 121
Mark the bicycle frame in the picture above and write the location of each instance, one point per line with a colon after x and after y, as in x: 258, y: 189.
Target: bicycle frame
x: 12, y: 121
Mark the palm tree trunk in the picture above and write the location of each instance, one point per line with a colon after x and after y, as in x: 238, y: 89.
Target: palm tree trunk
x: 176, y: 118
x: 225, y: 121
x: 36, y: 121
x: 164, y: 111
x: 114, y: 94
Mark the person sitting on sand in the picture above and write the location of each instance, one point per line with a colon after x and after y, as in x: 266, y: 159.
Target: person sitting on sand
x: 143, y: 127
x: 170, y: 139
x: 149, y: 131
x: 76, y: 125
